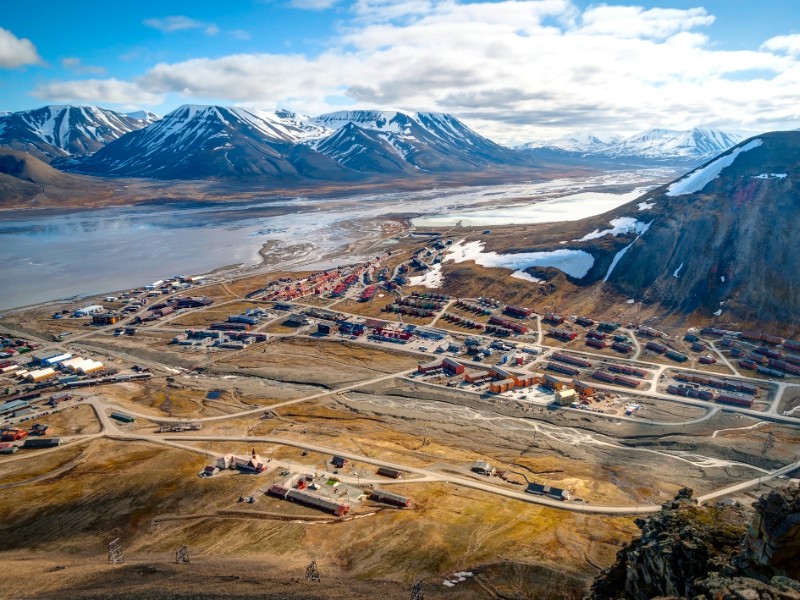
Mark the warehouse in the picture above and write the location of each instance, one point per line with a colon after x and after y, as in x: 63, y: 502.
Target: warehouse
x: 40, y: 374
x: 309, y: 499
x: 387, y: 472
x: 545, y: 490
x: 390, y: 498
x: 41, y: 443
x: 88, y: 311
x: 121, y: 416
x: 54, y: 360
x: 13, y: 405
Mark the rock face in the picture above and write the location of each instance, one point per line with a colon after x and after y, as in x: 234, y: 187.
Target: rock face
x: 773, y: 538
x: 709, y: 553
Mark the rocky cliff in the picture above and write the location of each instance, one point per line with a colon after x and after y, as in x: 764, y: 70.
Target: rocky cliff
x: 710, y: 552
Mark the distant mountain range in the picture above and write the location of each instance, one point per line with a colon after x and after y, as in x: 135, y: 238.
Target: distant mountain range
x: 653, y: 146
x: 217, y: 142
x: 51, y: 132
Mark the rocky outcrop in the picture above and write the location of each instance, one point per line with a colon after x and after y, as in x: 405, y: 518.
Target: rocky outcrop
x: 710, y: 553
x: 772, y: 543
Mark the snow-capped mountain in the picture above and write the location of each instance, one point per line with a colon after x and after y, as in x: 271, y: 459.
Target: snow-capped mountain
x: 376, y: 140
x: 197, y: 142
x: 50, y: 132
x: 144, y: 115
x: 579, y: 143
x: 653, y: 146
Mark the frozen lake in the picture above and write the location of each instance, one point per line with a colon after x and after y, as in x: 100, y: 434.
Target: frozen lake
x: 47, y: 256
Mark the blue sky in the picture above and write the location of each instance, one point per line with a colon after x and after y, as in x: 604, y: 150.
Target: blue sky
x: 515, y: 70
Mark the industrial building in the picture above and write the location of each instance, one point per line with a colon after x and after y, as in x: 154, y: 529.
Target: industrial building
x: 546, y: 490
x: 40, y: 374
x: 387, y: 472
x: 310, y: 499
x: 88, y: 311
x: 390, y: 498
x: 41, y: 443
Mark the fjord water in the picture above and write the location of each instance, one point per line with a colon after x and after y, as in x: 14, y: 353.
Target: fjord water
x: 47, y: 256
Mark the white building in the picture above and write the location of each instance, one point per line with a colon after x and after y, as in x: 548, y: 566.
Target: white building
x: 88, y: 311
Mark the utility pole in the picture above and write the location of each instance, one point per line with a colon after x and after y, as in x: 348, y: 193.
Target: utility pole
x: 182, y: 555
x: 312, y: 573
x: 115, y: 554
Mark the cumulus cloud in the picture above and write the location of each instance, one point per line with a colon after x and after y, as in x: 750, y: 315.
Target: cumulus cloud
x: 516, y: 70
x: 95, y: 91
x: 75, y: 64
x: 180, y: 23
x: 636, y: 22
x: 789, y: 44
x: 16, y: 52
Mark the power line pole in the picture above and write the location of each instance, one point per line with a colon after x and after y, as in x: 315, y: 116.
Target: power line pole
x: 115, y: 554
x: 312, y: 573
x: 182, y: 555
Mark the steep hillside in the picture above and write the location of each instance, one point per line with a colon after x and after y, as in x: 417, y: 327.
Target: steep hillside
x: 51, y: 132
x: 723, y: 237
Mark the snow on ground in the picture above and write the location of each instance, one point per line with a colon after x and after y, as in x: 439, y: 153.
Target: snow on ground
x: 617, y: 258
x: 645, y: 205
x: 717, y: 312
x: 575, y: 263
x: 620, y: 226
x: 677, y: 272
x: 432, y: 278
x: 572, y: 207
x: 722, y: 278
x: 630, y: 301
x: 525, y: 276
x: 770, y: 176
x: 700, y: 178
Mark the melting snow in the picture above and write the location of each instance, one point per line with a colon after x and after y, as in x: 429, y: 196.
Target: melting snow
x: 431, y: 279
x: 677, y: 271
x: 630, y: 301
x: 618, y: 256
x: 700, y: 178
x: 646, y: 205
x: 722, y: 279
x: 525, y: 276
x: 770, y: 176
x: 575, y: 263
x: 717, y: 312
x: 620, y: 226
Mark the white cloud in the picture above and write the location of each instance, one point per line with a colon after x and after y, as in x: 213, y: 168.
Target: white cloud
x: 16, y: 52
x: 515, y: 70
x: 98, y: 91
x: 636, y: 22
x: 75, y: 64
x: 790, y: 44
x: 180, y: 23
x: 312, y: 4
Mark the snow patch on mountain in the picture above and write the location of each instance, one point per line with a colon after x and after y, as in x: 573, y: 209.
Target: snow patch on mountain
x: 645, y: 205
x: 617, y: 258
x: 700, y: 178
x: 575, y: 263
x: 771, y: 176
x: 619, y: 226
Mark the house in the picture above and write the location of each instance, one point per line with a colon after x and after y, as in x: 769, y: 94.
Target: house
x: 339, y: 461
x: 481, y: 467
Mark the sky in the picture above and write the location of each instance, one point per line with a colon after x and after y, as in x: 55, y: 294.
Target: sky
x: 515, y: 71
